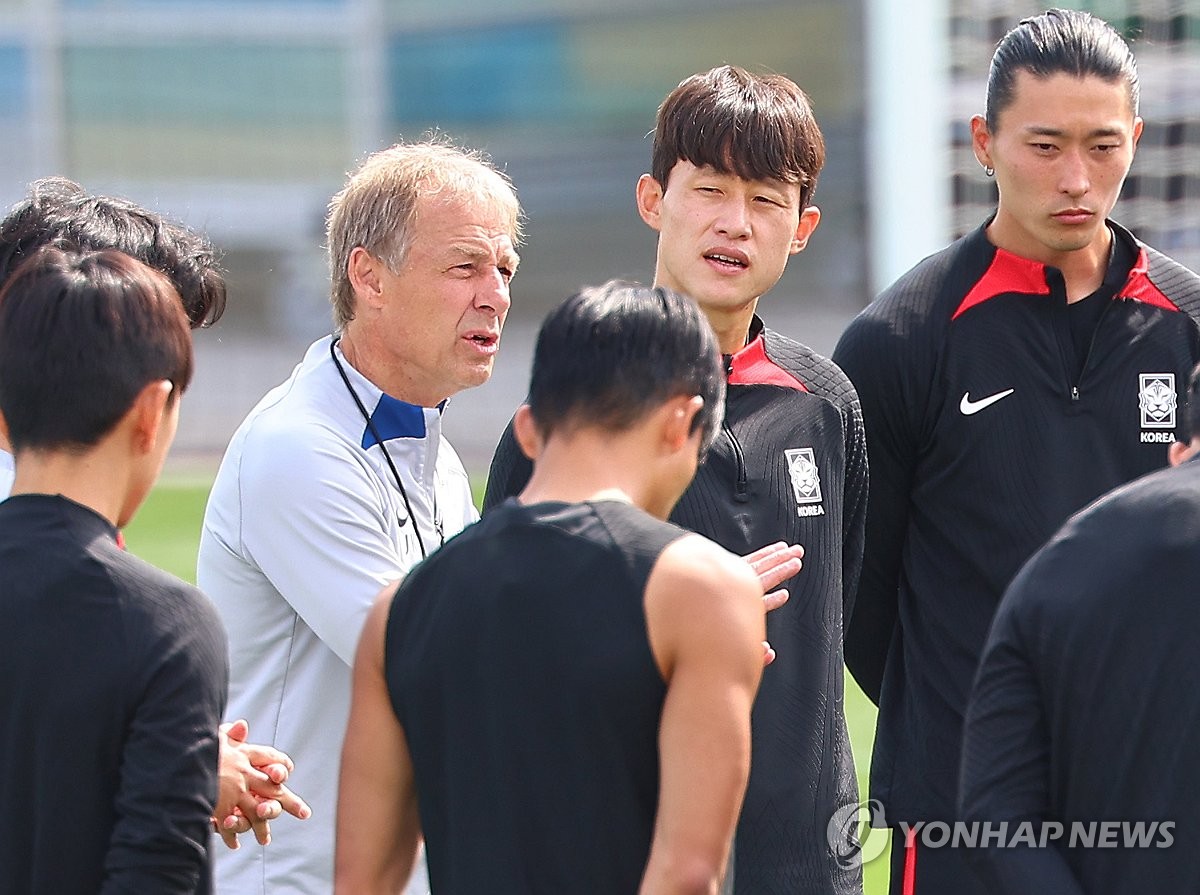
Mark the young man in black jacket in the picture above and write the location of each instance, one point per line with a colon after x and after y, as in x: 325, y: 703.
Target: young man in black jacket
x: 1006, y: 381
x: 1087, y: 703
x: 735, y: 161
x: 114, y: 672
x: 57, y: 211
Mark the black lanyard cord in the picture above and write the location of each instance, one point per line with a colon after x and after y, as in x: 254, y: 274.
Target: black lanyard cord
x: 379, y: 441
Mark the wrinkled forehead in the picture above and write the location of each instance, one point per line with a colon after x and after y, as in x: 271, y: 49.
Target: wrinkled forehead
x: 475, y: 193
x: 469, y: 225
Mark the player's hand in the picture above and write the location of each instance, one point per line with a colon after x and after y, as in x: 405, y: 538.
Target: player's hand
x: 774, y: 564
x: 251, y: 792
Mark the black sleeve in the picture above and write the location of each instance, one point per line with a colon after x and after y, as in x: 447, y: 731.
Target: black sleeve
x: 510, y: 470
x: 1006, y: 760
x: 168, y: 776
x: 854, y: 508
x: 875, y: 360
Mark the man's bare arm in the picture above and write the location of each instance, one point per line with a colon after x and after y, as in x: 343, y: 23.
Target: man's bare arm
x: 705, y: 617
x: 378, y: 829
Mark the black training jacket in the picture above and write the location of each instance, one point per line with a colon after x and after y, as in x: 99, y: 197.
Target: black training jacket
x: 982, y: 441
x: 788, y: 465
x: 1084, y: 718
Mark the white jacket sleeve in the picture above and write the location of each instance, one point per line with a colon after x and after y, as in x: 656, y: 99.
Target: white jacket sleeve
x: 316, y: 521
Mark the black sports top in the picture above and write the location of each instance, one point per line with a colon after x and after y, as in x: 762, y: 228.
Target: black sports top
x: 789, y: 465
x: 519, y: 664
x: 984, y: 437
x: 1087, y: 703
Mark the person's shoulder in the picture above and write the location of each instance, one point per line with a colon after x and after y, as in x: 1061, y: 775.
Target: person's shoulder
x: 819, y: 374
x: 302, y: 402
x: 159, y: 608
x: 1178, y: 283
x: 929, y: 284
x: 694, y: 564
x: 910, y: 318
x: 1142, y: 509
x: 1111, y: 547
x: 297, y: 433
x: 156, y: 588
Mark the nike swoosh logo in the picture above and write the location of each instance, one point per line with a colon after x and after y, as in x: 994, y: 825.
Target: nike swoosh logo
x: 969, y: 407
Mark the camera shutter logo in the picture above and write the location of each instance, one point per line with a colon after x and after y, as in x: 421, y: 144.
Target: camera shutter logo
x: 1157, y: 400
x: 805, y: 476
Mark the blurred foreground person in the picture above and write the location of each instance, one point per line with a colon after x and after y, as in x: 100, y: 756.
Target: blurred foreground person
x: 1087, y: 703
x: 60, y: 212
x: 114, y: 672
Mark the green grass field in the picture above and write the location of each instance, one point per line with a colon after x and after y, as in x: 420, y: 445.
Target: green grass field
x: 166, y: 532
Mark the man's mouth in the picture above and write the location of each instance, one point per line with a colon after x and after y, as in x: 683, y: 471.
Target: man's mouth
x: 484, y: 341
x: 1073, y: 215
x: 727, y: 260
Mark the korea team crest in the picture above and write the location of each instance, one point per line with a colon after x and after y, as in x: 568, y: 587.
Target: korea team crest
x: 806, y: 480
x: 1157, y: 400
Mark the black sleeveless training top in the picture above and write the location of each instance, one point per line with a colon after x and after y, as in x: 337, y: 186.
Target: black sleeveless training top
x: 518, y: 662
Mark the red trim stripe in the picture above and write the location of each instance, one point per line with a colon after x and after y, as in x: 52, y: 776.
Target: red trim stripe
x: 910, y: 862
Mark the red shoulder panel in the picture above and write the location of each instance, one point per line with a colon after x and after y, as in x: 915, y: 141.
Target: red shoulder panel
x: 1007, y: 273
x: 1140, y: 288
x: 751, y: 366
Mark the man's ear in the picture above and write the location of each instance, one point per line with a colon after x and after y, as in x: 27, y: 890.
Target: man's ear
x: 363, y: 271
x: 809, y: 218
x: 5, y: 444
x: 678, y: 413
x: 981, y: 141
x: 146, y: 415
x: 649, y: 201
x: 526, y: 431
x: 1179, y: 451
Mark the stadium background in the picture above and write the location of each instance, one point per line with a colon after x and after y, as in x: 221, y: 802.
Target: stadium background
x: 241, y: 118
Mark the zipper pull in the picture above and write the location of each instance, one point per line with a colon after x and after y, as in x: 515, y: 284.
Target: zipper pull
x: 1074, y: 393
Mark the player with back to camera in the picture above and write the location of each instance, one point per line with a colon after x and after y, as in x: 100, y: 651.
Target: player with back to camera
x: 114, y: 671
x: 58, y: 211
x: 1088, y: 697
x: 560, y: 697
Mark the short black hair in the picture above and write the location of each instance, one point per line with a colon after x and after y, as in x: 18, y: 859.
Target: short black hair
x: 610, y: 354
x: 1059, y: 41
x: 758, y: 127
x: 60, y: 212
x: 81, y: 334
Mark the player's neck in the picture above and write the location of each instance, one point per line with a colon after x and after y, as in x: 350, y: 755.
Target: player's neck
x: 732, y: 327
x: 97, y: 479
x: 587, y: 468
x: 1083, y: 269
